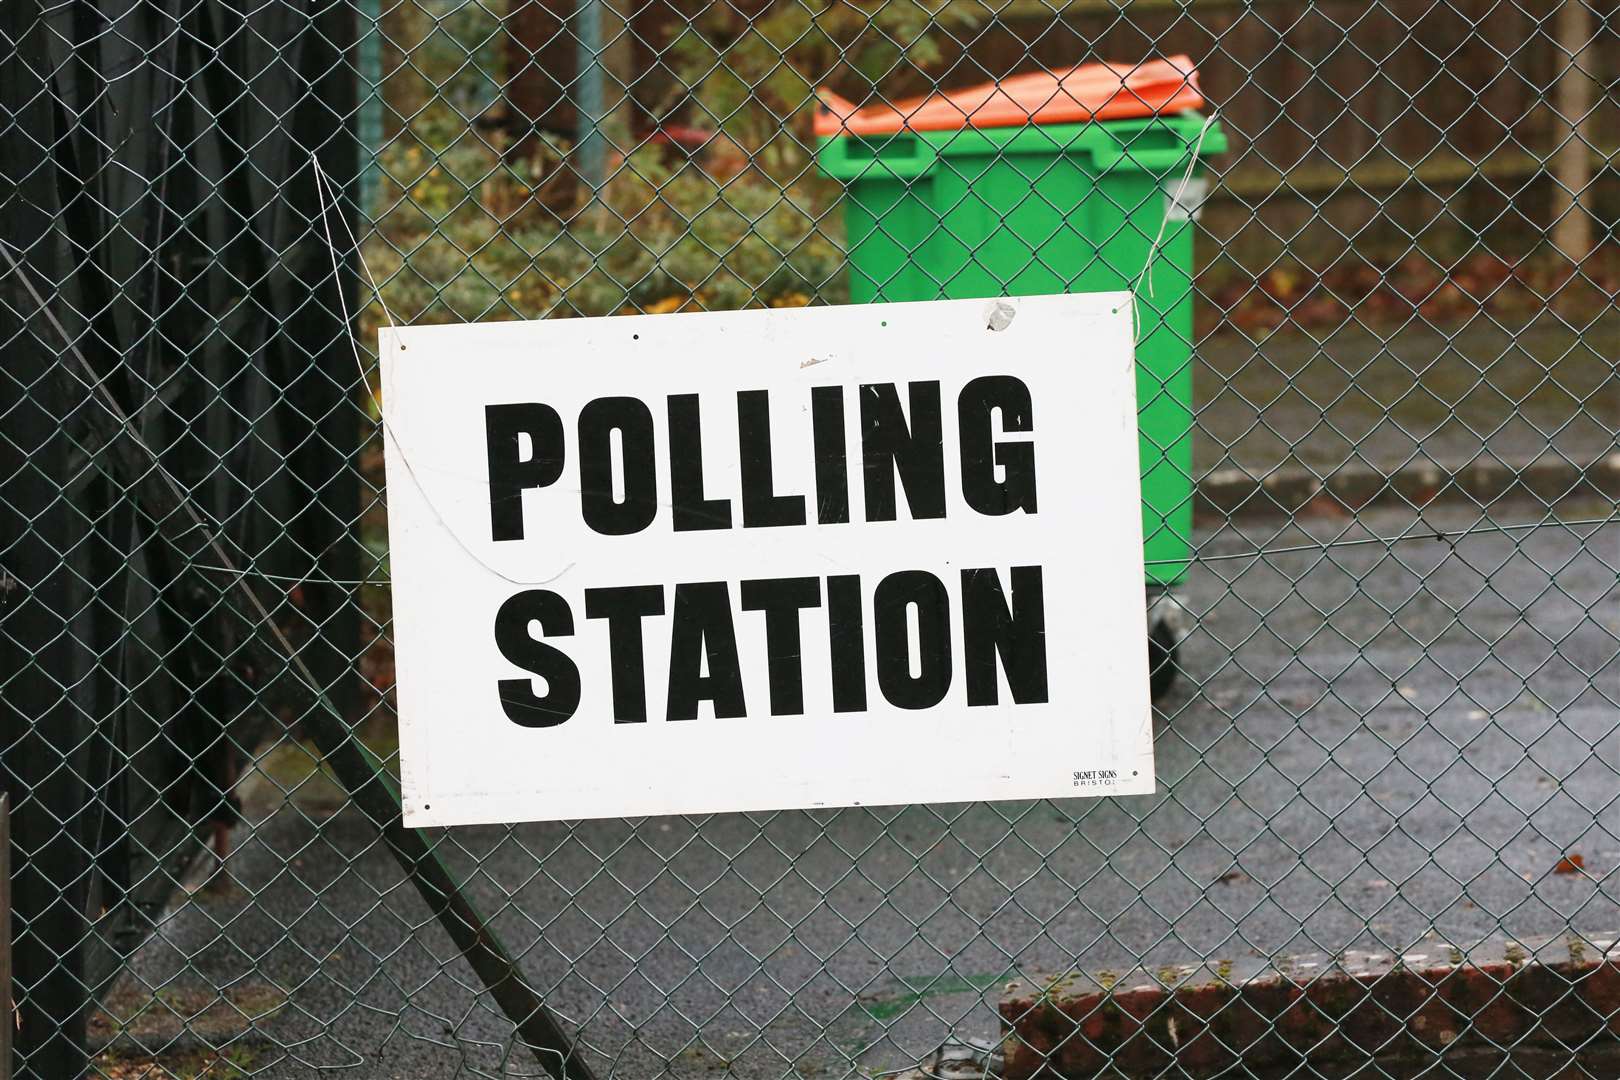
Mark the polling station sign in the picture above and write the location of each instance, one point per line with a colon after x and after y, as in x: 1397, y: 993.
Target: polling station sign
x: 771, y: 559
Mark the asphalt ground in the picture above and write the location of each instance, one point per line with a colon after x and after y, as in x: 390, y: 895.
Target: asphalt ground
x: 1409, y: 397
x: 1376, y: 747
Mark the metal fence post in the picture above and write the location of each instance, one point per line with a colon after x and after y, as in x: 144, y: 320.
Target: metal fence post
x: 369, y: 122
x: 592, y: 97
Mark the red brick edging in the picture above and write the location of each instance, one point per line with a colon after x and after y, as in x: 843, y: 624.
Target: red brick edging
x: 1343, y: 1012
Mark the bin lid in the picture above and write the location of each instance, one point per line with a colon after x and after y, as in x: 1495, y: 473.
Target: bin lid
x: 1061, y: 96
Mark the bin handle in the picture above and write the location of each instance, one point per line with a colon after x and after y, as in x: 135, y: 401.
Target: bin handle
x: 902, y: 156
x: 1114, y: 151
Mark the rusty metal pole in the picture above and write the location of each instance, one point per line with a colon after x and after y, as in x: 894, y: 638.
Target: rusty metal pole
x: 1572, y: 162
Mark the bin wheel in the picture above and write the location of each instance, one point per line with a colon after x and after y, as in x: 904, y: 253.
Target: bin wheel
x: 1163, y: 645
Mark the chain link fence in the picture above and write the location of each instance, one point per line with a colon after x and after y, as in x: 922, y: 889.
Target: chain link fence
x: 1380, y: 407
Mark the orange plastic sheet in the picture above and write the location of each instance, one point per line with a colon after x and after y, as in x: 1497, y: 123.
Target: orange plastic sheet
x: 1063, y: 96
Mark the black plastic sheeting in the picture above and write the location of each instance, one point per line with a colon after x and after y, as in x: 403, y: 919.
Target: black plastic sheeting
x: 154, y: 174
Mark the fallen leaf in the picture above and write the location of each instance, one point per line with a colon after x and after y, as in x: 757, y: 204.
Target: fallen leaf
x: 1570, y: 864
x: 1325, y: 504
x: 665, y: 306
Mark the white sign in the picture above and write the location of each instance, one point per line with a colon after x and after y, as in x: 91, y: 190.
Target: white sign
x: 767, y: 559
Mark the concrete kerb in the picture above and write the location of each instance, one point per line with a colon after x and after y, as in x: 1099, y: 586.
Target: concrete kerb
x: 1234, y: 492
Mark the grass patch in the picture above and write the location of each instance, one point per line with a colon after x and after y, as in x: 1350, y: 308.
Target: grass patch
x: 883, y: 1007
x: 231, y: 1064
x: 292, y: 770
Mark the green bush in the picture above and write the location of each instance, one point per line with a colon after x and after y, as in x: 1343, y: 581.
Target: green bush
x: 466, y: 229
x: 463, y: 236
x: 754, y: 78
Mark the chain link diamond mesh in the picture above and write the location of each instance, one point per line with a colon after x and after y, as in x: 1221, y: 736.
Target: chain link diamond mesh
x: 1381, y: 418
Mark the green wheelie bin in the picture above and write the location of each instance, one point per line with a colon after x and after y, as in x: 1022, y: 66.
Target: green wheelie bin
x: 1062, y: 181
